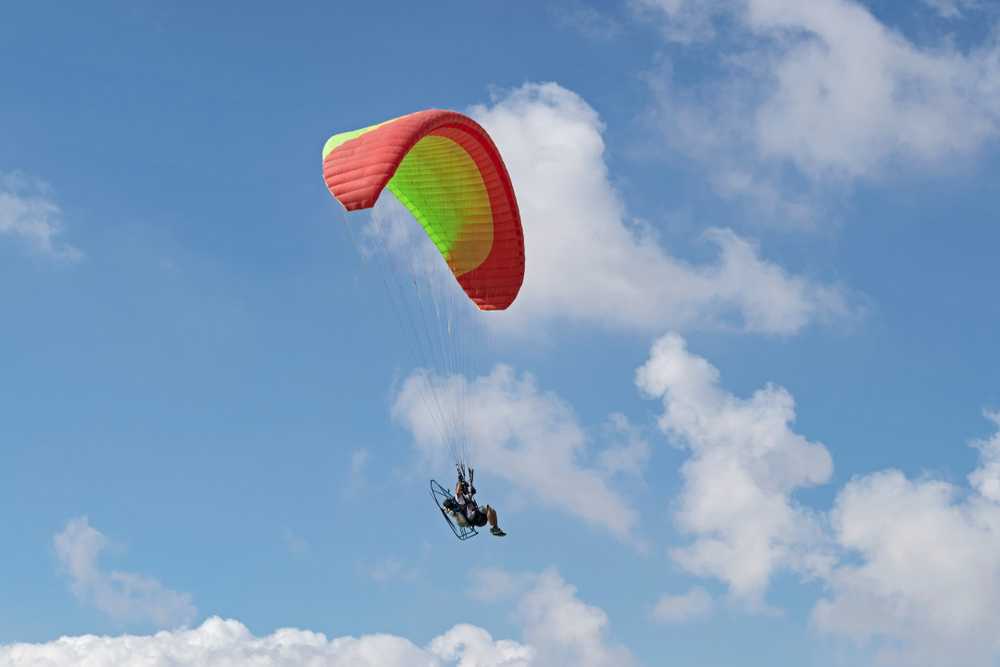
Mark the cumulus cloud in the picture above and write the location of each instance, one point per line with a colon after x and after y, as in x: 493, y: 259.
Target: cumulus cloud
x: 825, y: 88
x: 588, y: 264
x: 470, y: 646
x: 695, y: 604
x: 559, y: 629
x: 529, y: 437
x: 227, y: 643
x: 921, y: 575
x: 746, y: 463
x: 564, y: 630
x: 28, y: 213
x: 910, y: 567
x: 124, y: 596
x: 986, y: 478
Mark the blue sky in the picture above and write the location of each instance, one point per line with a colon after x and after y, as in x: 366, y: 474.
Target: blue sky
x: 753, y: 348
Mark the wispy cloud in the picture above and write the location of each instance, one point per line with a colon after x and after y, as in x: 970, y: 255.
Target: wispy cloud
x: 123, y: 596
x: 357, y: 481
x: 589, y: 21
x: 808, y: 97
x: 297, y: 545
x: 384, y: 570
x: 528, y: 436
x: 953, y: 9
x: 696, y: 604
x: 29, y: 213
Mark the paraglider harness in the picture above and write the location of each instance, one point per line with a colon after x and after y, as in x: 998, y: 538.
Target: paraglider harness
x: 462, y: 522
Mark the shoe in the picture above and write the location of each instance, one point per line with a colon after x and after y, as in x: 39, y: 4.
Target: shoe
x: 496, y: 531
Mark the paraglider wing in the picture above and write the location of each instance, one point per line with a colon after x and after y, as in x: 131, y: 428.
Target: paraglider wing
x: 446, y: 171
x: 444, y: 168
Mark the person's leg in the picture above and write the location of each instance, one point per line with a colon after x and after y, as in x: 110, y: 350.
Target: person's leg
x: 491, y: 517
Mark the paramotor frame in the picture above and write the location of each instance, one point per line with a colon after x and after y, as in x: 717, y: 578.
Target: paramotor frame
x: 441, y: 497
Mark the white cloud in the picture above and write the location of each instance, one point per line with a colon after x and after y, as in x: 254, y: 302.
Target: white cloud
x: 359, y: 459
x: 28, y: 212
x: 911, y: 568
x: 470, y: 646
x: 392, y: 236
x: 564, y: 630
x: 498, y: 584
x: 358, y: 480
x: 124, y: 596
x: 385, y: 570
x: 628, y: 457
x: 586, y: 264
x: 520, y: 433
x: 986, y: 478
x: 855, y: 94
x: 588, y: 21
x: 823, y: 87
x: 745, y: 466
x: 951, y: 9
x: 221, y: 643
x: 921, y: 578
x: 682, y: 21
x: 695, y: 604
x: 297, y: 545
x: 559, y: 629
